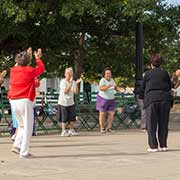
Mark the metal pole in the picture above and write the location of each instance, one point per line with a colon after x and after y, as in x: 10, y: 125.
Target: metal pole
x: 139, y: 56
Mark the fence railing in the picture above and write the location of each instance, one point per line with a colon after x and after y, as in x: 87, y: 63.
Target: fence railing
x: 127, y: 114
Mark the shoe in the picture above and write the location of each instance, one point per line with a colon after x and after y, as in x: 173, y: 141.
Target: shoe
x: 13, y: 137
x: 15, y: 150
x: 143, y: 130
x: 102, y: 131
x: 109, y: 130
x: 34, y: 134
x: 72, y: 132
x: 152, y: 150
x: 64, y: 133
x: 163, y: 149
x: 29, y: 155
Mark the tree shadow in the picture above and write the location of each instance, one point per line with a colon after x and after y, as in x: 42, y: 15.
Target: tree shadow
x: 90, y: 155
x: 172, y: 150
x: 69, y: 145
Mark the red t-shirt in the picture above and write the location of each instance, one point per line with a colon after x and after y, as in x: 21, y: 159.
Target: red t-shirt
x: 22, y: 81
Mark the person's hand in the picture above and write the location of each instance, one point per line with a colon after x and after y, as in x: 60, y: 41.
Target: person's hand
x: 78, y: 81
x: 30, y: 51
x: 3, y: 74
x: 121, y: 89
x: 38, y: 53
x: 178, y: 72
x: 111, y: 86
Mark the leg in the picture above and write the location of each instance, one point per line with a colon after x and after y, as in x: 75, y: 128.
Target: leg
x: 71, y: 124
x: 72, y: 119
x: 101, y: 119
x: 111, y: 111
x: 64, y: 118
x: 28, y: 117
x: 16, y: 115
x: 63, y: 115
x: 23, y: 110
x: 143, y: 119
x: 63, y: 126
x: 101, y: 106
x: 143, y: 113
x: 152, y: 118
x: 19, y: 137
x: 163, y: 124
x: 34, y: 122
x: 110, y: 119
x: 71, y: 116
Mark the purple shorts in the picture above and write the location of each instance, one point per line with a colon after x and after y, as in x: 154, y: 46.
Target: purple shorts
x: 104, y: 105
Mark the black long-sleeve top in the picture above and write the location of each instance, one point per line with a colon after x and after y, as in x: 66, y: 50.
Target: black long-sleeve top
x: 156, y: 86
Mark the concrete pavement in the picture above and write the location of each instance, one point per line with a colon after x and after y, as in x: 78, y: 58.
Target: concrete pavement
x: 120, y: 155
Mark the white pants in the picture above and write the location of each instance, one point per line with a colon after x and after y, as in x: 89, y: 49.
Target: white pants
x: 23, y: 110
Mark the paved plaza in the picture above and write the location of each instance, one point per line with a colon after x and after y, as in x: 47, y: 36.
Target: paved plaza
x: 120, y: 155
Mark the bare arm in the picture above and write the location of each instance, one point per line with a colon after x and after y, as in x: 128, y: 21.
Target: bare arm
x: 67, y: 90
x: 40, y: 65
x: 177, y: 84
x: 104, y: 88
x: 76, y: 89
x: 120, y: 89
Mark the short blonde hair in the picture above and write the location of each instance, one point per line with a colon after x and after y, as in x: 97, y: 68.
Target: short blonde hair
x: 70, y: 69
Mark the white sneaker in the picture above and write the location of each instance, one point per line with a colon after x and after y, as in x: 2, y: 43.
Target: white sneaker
x: 163, y: 149
x: 102, y: 131
x: 29, y: 155
x: 152, y: 150
x: 64, y: 133
x: 72, y: 132
x: 13, y: 137
x: 15, y: 150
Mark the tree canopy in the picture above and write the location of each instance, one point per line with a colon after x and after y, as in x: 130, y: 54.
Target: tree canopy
x: 89, y: 34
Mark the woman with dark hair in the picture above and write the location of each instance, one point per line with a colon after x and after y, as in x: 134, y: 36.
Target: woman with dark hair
x: 22, y: 94
x: 156, y: 90
x: 105, y: 102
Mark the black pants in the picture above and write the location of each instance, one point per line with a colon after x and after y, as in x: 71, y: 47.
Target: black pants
x: 157, y: 115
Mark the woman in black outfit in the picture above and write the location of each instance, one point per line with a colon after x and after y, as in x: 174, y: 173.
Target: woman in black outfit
x: 156, y: 89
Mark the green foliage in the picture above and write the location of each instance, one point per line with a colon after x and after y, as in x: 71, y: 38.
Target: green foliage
x: 90, y: 34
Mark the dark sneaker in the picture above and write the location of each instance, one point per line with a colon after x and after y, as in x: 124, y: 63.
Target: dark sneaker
x: 109, y: 130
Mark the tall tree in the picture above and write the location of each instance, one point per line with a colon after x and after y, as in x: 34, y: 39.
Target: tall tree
x: 89, y: 34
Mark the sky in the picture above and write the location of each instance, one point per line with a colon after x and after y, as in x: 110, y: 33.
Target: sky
x: 174, y: 2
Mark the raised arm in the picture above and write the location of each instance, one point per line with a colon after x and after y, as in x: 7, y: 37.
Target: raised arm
x: 40, y: 68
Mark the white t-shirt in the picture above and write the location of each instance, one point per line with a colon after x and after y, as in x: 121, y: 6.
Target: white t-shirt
x: 66, y: 99
x: 109, y: 93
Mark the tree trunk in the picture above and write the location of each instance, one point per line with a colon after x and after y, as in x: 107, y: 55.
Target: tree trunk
x: 79, y: 57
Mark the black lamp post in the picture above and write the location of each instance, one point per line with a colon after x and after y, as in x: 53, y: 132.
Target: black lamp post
x: 139, y: 56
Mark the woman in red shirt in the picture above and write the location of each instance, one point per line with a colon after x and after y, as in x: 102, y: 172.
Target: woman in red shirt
x: 22, y: 94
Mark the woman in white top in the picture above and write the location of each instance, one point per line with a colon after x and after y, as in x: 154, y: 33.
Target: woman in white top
x: 105, y: 102
x: 66, y: 105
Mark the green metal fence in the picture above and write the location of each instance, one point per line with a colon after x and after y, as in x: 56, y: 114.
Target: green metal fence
x: 127, y: 114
